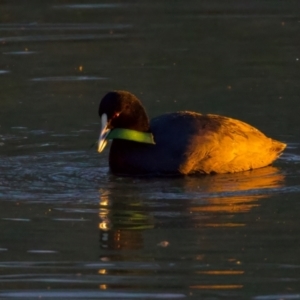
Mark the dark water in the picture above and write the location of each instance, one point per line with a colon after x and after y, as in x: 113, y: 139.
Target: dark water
x: 71, y: 230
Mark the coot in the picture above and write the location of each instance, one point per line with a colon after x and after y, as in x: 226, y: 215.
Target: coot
x: 182, y: 142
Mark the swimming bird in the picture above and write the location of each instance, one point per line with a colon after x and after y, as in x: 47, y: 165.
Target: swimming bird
x: 181, y: 142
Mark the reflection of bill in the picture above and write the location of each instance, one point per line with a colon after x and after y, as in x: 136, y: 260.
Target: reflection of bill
x: 121, y: 232
x: 121, y: 224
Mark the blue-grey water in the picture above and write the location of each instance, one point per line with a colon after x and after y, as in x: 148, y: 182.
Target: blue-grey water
x: 71, y: 230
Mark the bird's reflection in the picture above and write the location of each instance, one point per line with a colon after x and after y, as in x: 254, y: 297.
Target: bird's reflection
x: 128, y: 210
x: 237, y: 192
x: 126, y: 213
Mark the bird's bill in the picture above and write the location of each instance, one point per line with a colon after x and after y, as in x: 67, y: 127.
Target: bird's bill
x: 102, y: 141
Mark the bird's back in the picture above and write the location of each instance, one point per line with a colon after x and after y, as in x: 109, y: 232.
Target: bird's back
x: 213, y: 144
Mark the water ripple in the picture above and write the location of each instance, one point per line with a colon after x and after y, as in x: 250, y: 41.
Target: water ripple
x: 89, y: 6
x: 83, y: 294
x: 20, y: 52
x: 48, y: 176
x: 60, y: 37
x: 278, y: 297
x: 61, y: 27
x: 69, y: 78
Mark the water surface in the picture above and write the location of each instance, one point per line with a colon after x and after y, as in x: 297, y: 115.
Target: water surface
x: 69, y: 228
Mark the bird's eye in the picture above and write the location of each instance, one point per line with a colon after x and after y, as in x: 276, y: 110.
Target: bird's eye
x: 116, y: 115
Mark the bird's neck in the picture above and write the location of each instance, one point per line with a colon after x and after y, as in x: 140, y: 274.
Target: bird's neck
x: 137, y: 120
x: 142, y: 123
